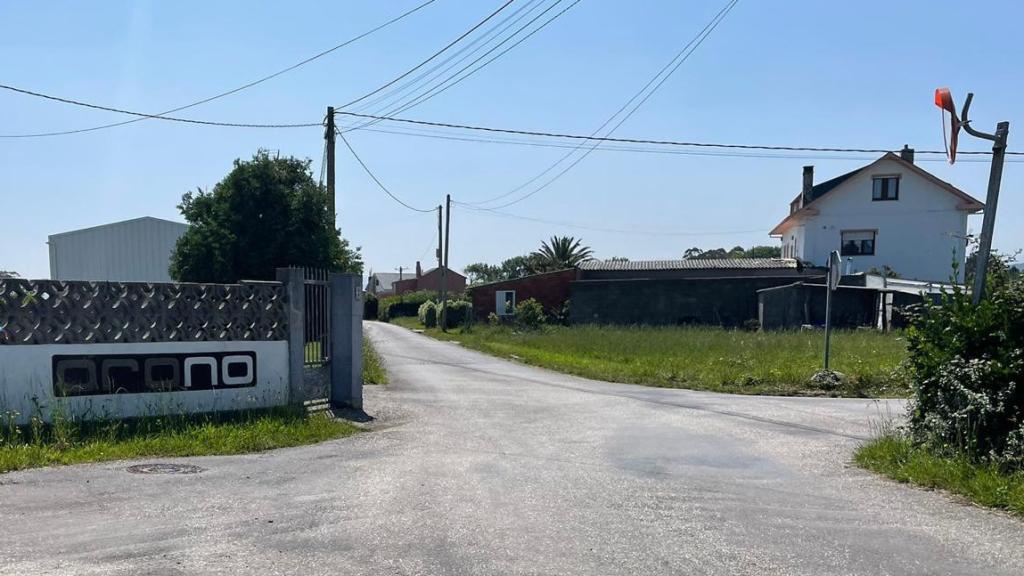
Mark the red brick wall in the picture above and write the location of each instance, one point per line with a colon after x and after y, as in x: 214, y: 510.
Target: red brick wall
x: 550, y: 289
x: 432, y: 281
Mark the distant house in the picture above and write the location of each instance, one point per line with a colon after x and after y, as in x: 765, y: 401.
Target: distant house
x: 431, y: 280
x: 888, y: 213
x: 382, y: 284
x: 137, y: 250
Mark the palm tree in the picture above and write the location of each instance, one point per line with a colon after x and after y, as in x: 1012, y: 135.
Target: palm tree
x: 561, y: 252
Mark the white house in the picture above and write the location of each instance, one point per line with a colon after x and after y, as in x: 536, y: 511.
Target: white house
x: 137, y: 250
x: 888, y: 213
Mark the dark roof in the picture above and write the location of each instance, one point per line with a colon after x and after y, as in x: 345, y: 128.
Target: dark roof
x: 692, y: 264
x: 819, y: 190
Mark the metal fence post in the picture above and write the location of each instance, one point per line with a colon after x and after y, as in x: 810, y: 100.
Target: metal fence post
x: 347, y: 341
x: 295, y: 311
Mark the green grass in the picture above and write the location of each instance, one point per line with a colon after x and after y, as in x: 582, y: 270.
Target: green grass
x: 194, y: 435
x: 700, y: 358
x: 373, y: 368
x: 982, y: 483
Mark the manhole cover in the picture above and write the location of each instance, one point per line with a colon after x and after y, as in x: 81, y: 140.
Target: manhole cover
x: 164, y: 468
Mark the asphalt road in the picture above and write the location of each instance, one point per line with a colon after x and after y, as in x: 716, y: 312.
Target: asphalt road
x: 482, y: 466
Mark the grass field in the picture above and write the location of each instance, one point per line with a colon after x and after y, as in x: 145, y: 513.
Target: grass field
x: 700, y: 358
x: 197, y: 435
x: 373, y: 368
x: 983, y: 484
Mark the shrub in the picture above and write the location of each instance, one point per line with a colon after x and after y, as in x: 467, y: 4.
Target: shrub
x: 428, y: 314
x: 530, y: 314
x: 460, y: 312
x: 407, y: 304
x: 370, y: 306
x: 752, y: 325
x: 967, y: 364
x: 493, y: 319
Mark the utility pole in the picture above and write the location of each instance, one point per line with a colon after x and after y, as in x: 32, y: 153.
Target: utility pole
x: 444, y: 264
x: 995, y: 178
x: 329, y: 136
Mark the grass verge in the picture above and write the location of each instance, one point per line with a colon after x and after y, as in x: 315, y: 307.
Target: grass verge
x: 179, y: 435
x: 700, y: 358
x: 373, y: 367
x: 982, y: 483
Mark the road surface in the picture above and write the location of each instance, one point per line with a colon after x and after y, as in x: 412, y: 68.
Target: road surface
x: 482, y: 466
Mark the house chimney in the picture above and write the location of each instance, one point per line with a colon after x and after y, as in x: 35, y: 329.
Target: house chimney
x: 907, y: 154
x: 805, y: 193
x: 419, y: 271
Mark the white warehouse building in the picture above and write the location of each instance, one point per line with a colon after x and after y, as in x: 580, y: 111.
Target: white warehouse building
x: 137, y: 250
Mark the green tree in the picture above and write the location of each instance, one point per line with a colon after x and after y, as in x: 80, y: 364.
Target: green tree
x: 481, y: 272
x: 561, y: 252
x: 764, y: 252
x: 266, y: 213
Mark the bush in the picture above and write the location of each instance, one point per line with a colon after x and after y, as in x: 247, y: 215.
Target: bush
x: 370, y: 306
x: 428, y: 314
x: 967, y: 364
x: 407, y: 304
x: 493, y: 319
x: 460, y: 312
x: 530, y: 314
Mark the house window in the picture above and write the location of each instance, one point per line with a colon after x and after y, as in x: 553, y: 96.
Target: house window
x: 858, y: 242
x: 885, y: 188
x: 505, y: 302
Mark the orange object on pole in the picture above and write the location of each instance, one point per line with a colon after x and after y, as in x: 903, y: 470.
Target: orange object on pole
x: 944, y: 100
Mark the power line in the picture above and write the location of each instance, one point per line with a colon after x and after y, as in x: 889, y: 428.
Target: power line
x: 374, y: 177
x: 448, y: 82
x: 140, y: 114
x: 510, y: 20
x: 439, y: 135
x: 432, y: 56
x: 239, y: 88
x: 646, y: 141
x: 672, y: 65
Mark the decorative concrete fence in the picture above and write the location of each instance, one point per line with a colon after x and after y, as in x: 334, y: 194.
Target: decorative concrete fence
x: 118, y: 350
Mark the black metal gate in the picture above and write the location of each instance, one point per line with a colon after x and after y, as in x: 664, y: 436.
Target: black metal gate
x: 317, y: 334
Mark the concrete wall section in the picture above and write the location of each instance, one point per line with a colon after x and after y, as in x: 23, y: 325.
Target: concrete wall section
x: 716, y: 301
x: 27, y: 381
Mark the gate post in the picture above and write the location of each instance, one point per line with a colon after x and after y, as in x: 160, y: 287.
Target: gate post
x: 295, y: 311
x: 347, y: 341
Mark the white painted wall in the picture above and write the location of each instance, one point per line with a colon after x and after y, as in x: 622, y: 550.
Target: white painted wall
x: 26, y: 382
x: 131, y: 251
x: 919, y: 235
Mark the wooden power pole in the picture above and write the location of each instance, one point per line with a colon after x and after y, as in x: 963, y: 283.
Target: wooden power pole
x: 444, y: 263
x: 329, y: 136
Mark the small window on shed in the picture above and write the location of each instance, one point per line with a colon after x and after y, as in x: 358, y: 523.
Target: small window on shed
x: 885, y: 188
x: 505, y: 302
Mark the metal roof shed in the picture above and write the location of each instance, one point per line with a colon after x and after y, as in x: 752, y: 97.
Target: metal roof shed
x: 137, y: 250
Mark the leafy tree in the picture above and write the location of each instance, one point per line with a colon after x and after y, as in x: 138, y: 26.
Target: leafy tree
x: 1000, y: 268
x: 764, y: 252
x: 735, y: 252
x: 266, y: 213
x: 481, y: 272
x: 8, y: 274
x: 618, y: 259
x: 561, y: 252
x: 885, y: 271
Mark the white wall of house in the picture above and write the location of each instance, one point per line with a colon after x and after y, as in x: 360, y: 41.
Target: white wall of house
x: 131, y: 251
x: 919, y: 235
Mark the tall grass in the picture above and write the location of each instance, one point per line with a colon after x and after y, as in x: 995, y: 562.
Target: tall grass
x: 985, y: 483
x: 704, y: 357
x: 373, y: 366
x: 68, y: 442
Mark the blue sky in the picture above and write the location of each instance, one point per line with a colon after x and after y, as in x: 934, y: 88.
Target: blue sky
x: 849, y: 74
